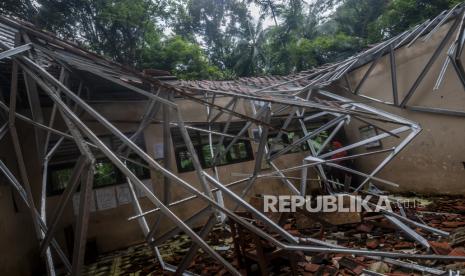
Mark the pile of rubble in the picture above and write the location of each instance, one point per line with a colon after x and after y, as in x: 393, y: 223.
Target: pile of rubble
x: 373, y: 232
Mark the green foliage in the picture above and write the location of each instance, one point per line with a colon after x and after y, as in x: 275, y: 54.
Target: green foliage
x: 355, y: 17
x: 19, y: 8
x: 185, y: 59
x: 129, y: 32
x: 303, y: 54
x: 267, y: 7
x: 247, y: 58
x: 116, y: 28
x: 297, y: 44
x: 335, y: 47
x: 403, y: 14
x: 219, y: 39
x: 219, y: 23
x: 105, y: 174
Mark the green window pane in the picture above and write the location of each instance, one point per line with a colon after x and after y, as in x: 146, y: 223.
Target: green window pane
x: 185, y: 161
x: 207, y: 156
x: 275, y: 144
x: 105, y: 174
x: 291, y: 138
x: 319, y: 140
x: 238, y: 151
x: 139, y: 171
x: 60, y: 179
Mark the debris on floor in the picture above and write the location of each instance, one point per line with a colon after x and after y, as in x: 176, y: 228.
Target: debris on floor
x: 371, y: 233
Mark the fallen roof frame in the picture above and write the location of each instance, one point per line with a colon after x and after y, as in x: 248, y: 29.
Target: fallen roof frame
x: 66, y: 102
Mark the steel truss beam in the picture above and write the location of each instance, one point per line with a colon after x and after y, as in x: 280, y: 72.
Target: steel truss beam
x: 290, y: 99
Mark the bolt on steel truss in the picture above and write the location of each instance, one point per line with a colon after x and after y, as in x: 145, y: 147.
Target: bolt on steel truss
x: 33, y: 55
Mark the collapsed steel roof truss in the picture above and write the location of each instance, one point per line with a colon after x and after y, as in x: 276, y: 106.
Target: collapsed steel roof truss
x: 293, y: 98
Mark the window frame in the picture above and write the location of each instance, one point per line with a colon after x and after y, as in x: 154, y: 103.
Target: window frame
x: 196, y: 137
x: 120, y: 178
x: 372, y: 145
x: 294, y: 128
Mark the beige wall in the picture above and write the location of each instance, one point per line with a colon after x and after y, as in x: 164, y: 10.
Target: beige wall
x: 18, y: 243
x: 110, y: 228
x: 193, y: 112
x: 433, y: 162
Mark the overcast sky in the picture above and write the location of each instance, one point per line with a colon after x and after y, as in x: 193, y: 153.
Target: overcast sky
x: 255, y: 12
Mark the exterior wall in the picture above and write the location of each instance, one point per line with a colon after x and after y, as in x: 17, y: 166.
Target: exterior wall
x: 191, y: 112
x: 19, y: 254
x: 433, y: 162
x: 110, y: 228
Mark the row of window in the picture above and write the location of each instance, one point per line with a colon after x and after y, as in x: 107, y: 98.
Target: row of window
x: 241, y: 151
x: 107, y: 174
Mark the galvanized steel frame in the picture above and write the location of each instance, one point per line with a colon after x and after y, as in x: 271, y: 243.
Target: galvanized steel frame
x: 272, y: 100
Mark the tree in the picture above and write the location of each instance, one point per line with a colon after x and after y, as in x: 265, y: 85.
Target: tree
x: 218, y: 25
x: 184, y: 59
x: 403, y: 14
x: 356, y: 17
x: 115, y: 28
x: 293, y: 16
x: 267, y: 7
x: 24, y: 9
x: 335, y: 47
x: 217, y: 39
x: 248, y: 58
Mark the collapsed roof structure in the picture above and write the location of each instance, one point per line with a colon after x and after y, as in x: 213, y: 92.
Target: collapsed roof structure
x: 58, y: 72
